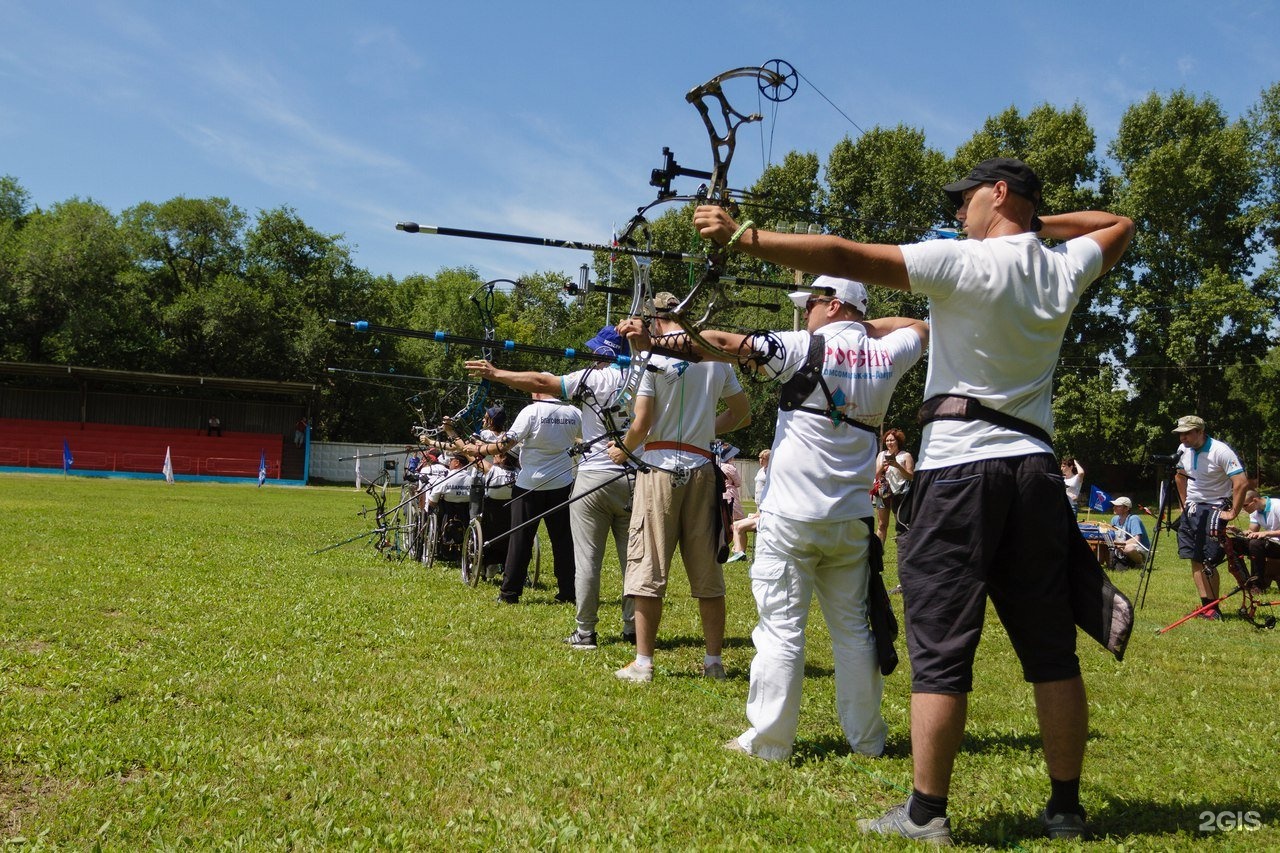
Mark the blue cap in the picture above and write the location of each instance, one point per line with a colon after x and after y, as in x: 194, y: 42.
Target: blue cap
x: 608, y: 342
x: 497, y: 416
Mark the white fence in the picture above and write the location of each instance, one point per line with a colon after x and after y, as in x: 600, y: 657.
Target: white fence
x: 325, y: 464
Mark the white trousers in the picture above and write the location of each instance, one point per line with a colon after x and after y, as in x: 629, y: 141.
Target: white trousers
x: 793, y: 560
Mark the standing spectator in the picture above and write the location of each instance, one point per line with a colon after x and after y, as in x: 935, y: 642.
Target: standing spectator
x: 1211, y: 484
x: 725, y: 454
x: 300, y: 432
x: 996, y: 525
x: 545, y: 431
x: 1073, y: 480
x: 896, y: 468
x: 675, y: 501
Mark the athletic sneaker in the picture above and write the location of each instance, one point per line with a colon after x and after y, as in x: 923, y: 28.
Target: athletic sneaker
x: 897, y: 821
x: 714, y: 670
x: 1064, y: 826
x: 581, y: 640
x: 736, y: 556
x: 629, y: 637
x: 1214, y: 615
x: 635, y: 672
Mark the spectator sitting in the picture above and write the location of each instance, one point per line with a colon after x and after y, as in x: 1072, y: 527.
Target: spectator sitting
x: 1263, y: 535
x: 1130, y: 545
x: 746, y: 525
x: 215, y: 427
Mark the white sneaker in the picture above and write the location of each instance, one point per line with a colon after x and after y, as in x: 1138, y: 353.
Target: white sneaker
x: 635, y: 672
x: 735, y: 556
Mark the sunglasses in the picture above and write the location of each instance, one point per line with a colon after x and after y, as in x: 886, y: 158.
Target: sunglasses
x: 814, y: 300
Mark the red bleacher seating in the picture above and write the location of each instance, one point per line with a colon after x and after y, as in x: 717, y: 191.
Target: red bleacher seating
x: 116, y: 447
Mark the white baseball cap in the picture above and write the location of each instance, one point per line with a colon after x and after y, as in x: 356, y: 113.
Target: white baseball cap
x: 848, y: 291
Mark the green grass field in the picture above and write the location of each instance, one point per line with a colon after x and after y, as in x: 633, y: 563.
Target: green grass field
x: 178, y: 670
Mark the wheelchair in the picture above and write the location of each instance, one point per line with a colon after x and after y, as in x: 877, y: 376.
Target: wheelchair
x: 472, y: 560
x: 442, y: 533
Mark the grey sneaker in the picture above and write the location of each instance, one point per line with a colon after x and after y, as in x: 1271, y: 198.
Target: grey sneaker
x: 1064, y: 826
x: 714, y: 670
x: 635, y: 672
x: 581, y: 640
x: 897, y: 821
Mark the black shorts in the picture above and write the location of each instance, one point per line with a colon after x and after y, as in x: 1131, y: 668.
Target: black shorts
x: 1195, y: 540
x: 997, y: 528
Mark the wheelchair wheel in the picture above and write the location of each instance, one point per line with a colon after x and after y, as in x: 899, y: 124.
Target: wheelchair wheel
x: 472, y: 559
x: 535, y: 563
x: 411, y: 519
x: 430, y: 538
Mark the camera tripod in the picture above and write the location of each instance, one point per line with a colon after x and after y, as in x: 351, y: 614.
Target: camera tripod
x: 1167, y: 498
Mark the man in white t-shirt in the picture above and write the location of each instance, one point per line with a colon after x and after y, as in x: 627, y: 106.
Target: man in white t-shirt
x: 815, y: 528
x: 450, y: 496
x: 601, y: 499
x: 1263, y: 535
x: 1211, y: 483
x: 997, y: 526
x: 676, y: 497
x: 546, y: 431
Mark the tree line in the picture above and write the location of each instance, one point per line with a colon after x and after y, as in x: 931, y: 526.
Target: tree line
x: 1187, y: 323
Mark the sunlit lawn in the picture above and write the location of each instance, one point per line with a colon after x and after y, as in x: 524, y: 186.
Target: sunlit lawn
x: 178, y: 669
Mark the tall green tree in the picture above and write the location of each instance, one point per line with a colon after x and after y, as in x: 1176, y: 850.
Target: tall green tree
x: 1187, y: 175
x: 72, y: 300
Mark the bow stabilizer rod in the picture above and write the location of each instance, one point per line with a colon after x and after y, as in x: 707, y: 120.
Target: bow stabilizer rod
x: 660, y: 254
x: 508, y: 346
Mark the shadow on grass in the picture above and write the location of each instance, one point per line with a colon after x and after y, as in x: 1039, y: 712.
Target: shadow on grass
x: 1131, y: 819
x: 829, y: 746
x: 679, y: 641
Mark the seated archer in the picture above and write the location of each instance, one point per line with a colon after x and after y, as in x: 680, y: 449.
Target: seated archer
x: 1129, y: 542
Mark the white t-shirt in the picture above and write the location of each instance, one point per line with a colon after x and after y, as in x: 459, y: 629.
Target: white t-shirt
x: 685, y: 396
x: 453, y: 488
x: 895, y: 479
x: 998, y: 309
x: 1267, y: 518
x: 762, y: 477
x: 1073, y: 485
x: 546, y: 431
x: 1209, y: 471
x: 431, y: 473
x: 498, y: 482
x: 599, y: 385
x: 819, y: 470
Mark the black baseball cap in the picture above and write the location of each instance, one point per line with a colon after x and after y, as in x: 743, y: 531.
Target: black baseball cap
x: 1018, y: 175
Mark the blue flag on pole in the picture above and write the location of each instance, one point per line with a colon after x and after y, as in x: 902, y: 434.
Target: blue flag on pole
x: 262, y: 469
x: 1098, y: 499
x: 67, y: 461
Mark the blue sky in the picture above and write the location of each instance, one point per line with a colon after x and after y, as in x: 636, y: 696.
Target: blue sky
x: 542, y: 118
